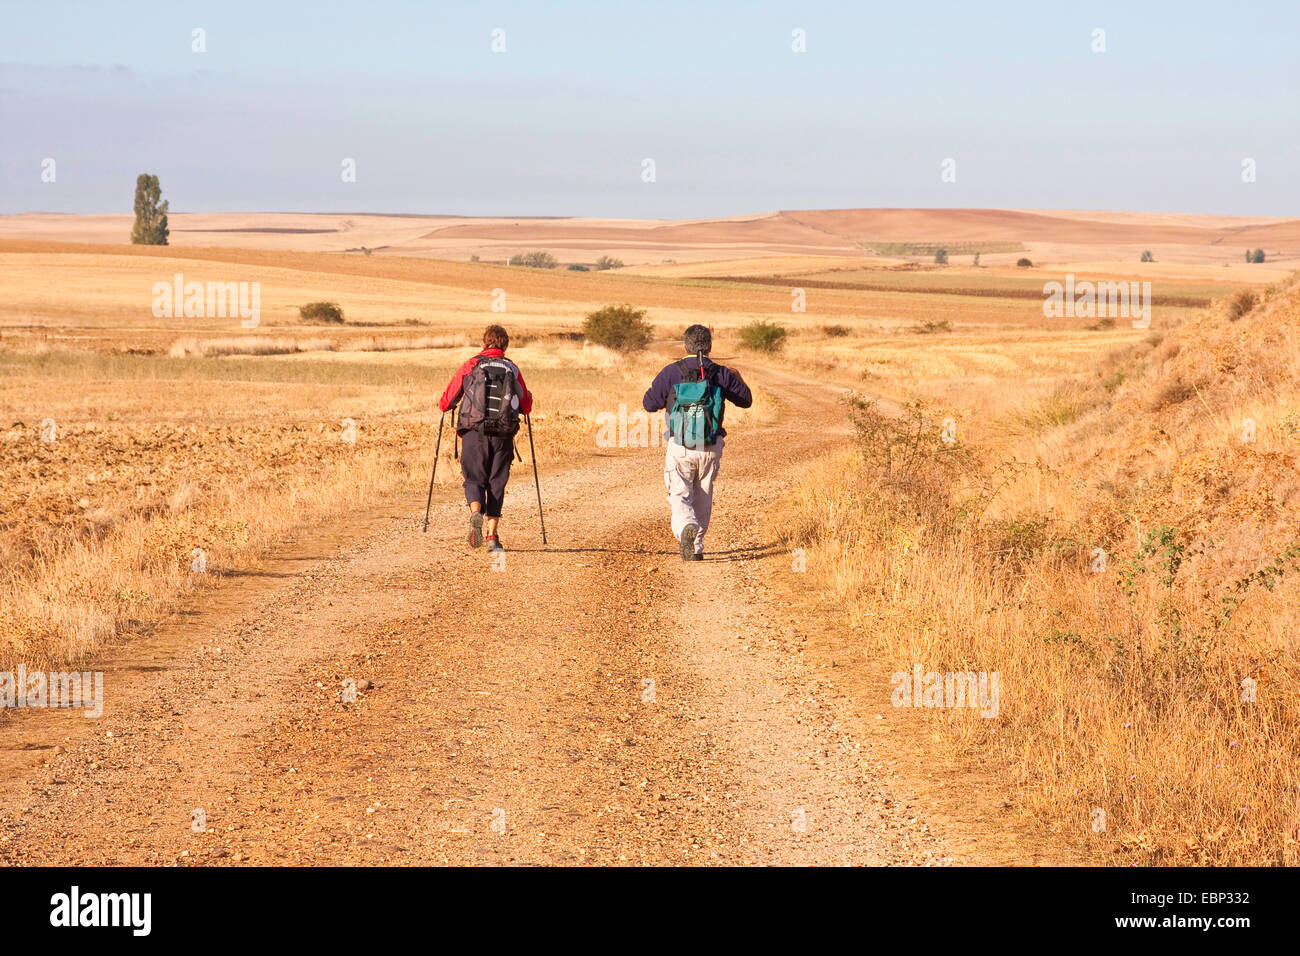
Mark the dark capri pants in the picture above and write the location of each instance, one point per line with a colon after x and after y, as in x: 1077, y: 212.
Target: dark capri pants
x: 485, y: 462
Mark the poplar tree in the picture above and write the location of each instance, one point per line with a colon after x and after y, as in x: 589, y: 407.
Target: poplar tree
x: 150, y: 212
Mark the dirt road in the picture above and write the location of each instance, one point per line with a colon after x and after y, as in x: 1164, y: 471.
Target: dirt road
x: 596, y: 701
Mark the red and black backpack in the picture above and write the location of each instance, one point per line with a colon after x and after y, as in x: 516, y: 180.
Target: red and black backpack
x: 491, y: 398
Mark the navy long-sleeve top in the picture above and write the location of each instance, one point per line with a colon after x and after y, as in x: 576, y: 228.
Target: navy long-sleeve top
x: 660, y: 393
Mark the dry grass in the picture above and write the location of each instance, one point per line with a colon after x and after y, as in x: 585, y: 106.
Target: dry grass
x: 286, y: 345
x: 156, y: 456
x: 1122, y: 689
x: 118, y: 565
x: 254, y: 345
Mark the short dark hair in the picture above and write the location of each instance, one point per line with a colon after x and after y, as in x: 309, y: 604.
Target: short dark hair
x: 496, y: 337
x: 698, y: 339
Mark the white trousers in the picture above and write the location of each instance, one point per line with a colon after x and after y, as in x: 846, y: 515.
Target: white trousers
x: 689, y: 475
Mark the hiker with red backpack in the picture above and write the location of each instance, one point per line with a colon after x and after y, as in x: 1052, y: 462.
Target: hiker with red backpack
x: 693, y: 392
x: 492, y: 396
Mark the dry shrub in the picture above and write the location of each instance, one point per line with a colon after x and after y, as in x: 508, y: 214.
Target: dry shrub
x: 1173, y: 392
x: 1240, y: 303
x: 327, y: 312
x: 931, y: 326
x: 915, y: 458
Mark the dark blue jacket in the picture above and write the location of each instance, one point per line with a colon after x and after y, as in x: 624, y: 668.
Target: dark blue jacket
x: 660, y: 393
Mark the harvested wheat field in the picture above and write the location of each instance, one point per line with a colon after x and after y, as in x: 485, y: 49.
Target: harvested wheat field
x: 220, y: 510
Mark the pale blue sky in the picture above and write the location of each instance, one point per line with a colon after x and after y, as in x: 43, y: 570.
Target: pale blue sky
x: 736, y: 122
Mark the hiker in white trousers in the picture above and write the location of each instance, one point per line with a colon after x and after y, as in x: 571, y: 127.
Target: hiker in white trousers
x: 689, y: 474
x: 693, y: 392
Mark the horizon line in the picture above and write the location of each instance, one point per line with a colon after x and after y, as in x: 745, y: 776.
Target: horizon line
x: 749, y: 215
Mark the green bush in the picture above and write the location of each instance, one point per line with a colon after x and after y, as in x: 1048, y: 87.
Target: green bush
x: 835, y: 331
x: 1147, y: 256
x: 578, y: 267
x: 763, y: 336
x: 1024, y: 263
x: 605, y: 262
x: 941, y: 257
x: 619, y: 327
x: 321, y: 312
x: 1256, y: 255
x: 534, y: 260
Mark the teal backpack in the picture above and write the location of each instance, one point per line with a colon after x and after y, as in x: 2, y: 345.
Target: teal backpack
x: 696, y: 413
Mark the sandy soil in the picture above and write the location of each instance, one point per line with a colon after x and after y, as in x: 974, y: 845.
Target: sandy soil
x: 503, y: 716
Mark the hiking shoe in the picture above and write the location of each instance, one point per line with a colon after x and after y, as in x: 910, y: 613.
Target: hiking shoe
x: 494, y: 544
x: 476, y: 530
x: 686, y: 540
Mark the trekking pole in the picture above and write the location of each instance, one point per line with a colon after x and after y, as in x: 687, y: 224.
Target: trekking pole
x: 536, y: 484
x: 436, y: 449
